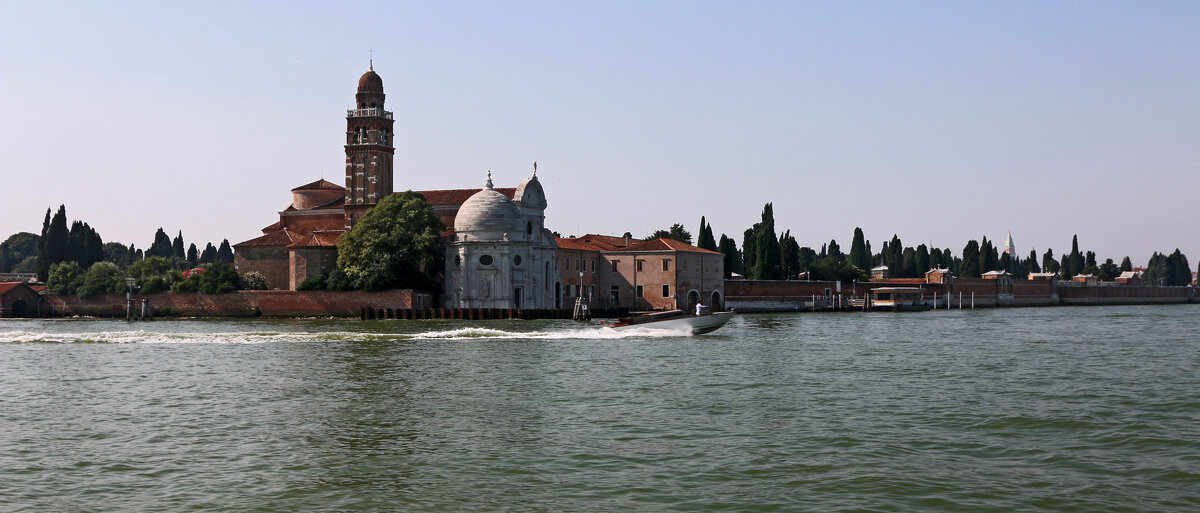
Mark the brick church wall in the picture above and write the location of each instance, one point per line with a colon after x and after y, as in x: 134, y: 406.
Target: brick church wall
x: 270, y: 261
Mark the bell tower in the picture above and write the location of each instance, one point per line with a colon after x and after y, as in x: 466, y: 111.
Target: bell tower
x: 369, y: 148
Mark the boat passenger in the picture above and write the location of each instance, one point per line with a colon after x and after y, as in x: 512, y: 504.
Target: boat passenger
x: 699, y: 309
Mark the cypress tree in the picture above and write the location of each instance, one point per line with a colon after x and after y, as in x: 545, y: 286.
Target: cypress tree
x: 1049, y: 264
x: 57, y: 240
x: 1075, y: 258
x: 732, y: 259
x: 161, y: 246
x: 922, y: 261
x: 209, y: 255
x: 1126, y: 264
x: 970, y: 260
x: 43, y: 266
x: 225, y: 253
x: 894, y: 257
x: 768, y: 262
x: 750, y: 251
x: 789, y: 255
x: 193, y: 255
x: 177, y: 246
x: 860, y: 255
x: 705, y: 239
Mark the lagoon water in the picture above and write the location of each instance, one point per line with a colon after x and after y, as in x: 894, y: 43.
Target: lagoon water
x: 1034, y: 409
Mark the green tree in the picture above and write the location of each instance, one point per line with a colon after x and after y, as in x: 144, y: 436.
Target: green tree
x: 65, y: 278
x: 833, y: 269
x: 970, y: 260
x: 733, y: 258
x: 860, y: 255
x: 749, y: 250
x: 1074, y: 262
x: 55, y: 237
x: 313, y: 282
x: 1126, y: 265
x: 218, y: 278
x: 1109, y: 270
x: 677, y: 232
x: 102, y: 278
x: 209, y: 255
x: 1178, y: 272
x: 193, y: 255
x: 161, y: 246
x: 177, y: 246
x: 706, y: 240
x: 394, y: 245
x: 18, y: 247
x: 789, y: 255
x: 225, y: 252
x: 117, y: 253
x: 767, y: 262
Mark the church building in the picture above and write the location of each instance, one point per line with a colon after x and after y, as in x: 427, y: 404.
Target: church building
x: 498, y: 253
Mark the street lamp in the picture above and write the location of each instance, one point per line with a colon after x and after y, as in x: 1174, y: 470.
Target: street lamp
x: 581, y: 284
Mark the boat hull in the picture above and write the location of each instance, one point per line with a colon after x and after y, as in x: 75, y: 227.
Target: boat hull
x: 693, y: 325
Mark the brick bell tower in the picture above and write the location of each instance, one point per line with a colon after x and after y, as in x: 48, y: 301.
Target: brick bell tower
x: 369, y: 148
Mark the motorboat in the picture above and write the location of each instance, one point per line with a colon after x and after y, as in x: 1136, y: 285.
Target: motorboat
x: 674, y: 320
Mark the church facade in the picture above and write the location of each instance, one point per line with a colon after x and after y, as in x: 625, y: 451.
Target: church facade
x: 499, y: 253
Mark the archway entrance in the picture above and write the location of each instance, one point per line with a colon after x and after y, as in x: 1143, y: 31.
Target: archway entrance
x: 20, y: 309
x: 693, y: 297
x: 557, y: 295
x: 715, y: 303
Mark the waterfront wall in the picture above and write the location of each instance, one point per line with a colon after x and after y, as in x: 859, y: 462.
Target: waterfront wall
x: 785, y: 296
x: 245, y: 303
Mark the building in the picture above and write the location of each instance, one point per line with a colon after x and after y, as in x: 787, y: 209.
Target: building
x: 1133, y: 278
x: 939, y: 275
x: 503, y: 226
x: 1009, y: 247
x: 501, y: 254
x: 659, y: 274
x: 18, y: 300
x: 879, y: 272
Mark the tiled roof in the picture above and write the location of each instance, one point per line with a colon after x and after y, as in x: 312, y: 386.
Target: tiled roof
x: 323, y: 239
x: 459, y: 196
x: 7, y: 286
x: 275, y: 238
x: 579, y: 244
x: 665, y: 244
x: 274, y: 226
x: 318, y: 185
x: 338, y: 203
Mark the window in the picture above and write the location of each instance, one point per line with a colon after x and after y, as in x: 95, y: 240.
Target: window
x: 638, y: 292
x: 666, y: 291
x: 529, y: 228
x: 485, y: 259
x: 457, y: 260
x: 614, y: 295
x: 639, y: 266
x: 517, y: 260
x: 666, y: 265
x: 614, y: 265
x: 566, y: 264
x: 593, y: 265
x: 579, y: 264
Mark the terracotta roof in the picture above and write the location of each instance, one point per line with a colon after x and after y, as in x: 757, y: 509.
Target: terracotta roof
x: 665, y: 244
x: 274, y: 226
x: 579, y: 244
x: 324, y: 239
x: 9, y: 285
x: 370, y: 82
x: 459, y: 196
x: 318, y: 185
x: 900, y: 280
x: 275, y: 238
x: 338, y: 203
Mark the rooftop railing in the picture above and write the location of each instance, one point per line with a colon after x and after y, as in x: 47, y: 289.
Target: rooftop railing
x: 369, y: 113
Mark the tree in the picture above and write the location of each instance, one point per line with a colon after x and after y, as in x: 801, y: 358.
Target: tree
x: 1109, y: 270
x: 749, y: 250
x: 860, y: 255
x: 677, y: 232
x: 705, y: 240
x: 832, y: 269
x: 733, y: 258
x: 767, y: 263
x: 834, y: 250
x: 161, y: 246
x: 193, y: 255
x: 1031, y: 264
x: 55, y: 237
x: 18, y: 247
x: 789, y: 255
x: 1178, y: 272
x: 1074, y: 262
x: 225, y: 253
x: 117, y: 253
x: 64, y: 278
x: 177, y: 246
x: 922, y: 261
x: 1049, y: 264
x: 102, y: 278
x: 970, y: 260
x: 1126, y: 265
x: 393, y: 245
x: 209, y: 254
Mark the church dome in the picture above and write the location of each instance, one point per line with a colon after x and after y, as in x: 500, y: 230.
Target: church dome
x: 487, y: 214
x: 370, y: 82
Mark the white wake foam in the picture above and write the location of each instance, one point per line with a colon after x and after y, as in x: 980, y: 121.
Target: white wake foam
x: 252, y: 337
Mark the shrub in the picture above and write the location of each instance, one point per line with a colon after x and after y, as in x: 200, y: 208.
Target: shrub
x: 253, y: 281
x: 64, y: 278
x: 102, y: 278
x: 313, y: 282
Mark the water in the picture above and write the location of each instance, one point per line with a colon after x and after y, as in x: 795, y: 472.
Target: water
x: 1037, y: 409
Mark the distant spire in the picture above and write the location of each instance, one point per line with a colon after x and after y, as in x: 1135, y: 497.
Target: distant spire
x: 489, y: 180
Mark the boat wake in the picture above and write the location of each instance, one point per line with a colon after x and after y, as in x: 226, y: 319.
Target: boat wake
x: 251, y: 337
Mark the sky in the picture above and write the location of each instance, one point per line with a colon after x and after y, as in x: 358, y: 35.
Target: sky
x: 938, y: 122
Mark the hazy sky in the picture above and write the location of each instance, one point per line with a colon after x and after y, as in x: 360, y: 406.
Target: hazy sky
x: 939, y: 122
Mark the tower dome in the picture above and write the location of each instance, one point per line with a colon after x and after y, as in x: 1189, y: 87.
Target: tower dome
x: 487, y: 214
x: 370, y: 82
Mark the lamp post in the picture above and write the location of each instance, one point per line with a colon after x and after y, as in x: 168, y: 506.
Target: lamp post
x: 581, y: 284
x: 129, y: 282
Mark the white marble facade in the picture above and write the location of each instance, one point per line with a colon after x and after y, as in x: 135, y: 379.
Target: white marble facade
x: 502, y: 255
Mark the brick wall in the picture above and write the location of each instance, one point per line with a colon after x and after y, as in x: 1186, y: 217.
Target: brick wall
x: 246, y: 303
x: 270, y: 261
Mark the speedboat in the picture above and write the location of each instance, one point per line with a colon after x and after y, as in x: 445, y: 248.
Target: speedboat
x: 674, y: 320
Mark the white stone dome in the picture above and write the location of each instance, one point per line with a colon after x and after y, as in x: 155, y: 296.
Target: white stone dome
x: 487, y: 212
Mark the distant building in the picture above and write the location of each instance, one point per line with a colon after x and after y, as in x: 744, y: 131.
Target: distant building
x: 939, y: 275
x: 1086, y: 279
x: 1051, y: 277
x: 18, y: 300
x: 879, y: 273
x: 1009, y: 247
x: 660, y: 274
x: 1133, y: 278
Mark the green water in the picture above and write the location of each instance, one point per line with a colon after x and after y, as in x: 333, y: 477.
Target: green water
x: 1036, y: 409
